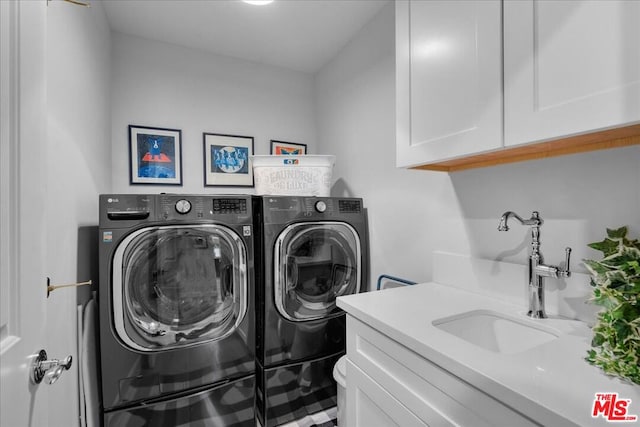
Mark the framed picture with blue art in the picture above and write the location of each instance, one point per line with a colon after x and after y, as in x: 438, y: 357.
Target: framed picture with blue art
x: 155, y: 155
x: 226, y: 160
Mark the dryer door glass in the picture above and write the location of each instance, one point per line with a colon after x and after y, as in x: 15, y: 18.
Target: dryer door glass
x: 179, y: 285
x: 314, y: 264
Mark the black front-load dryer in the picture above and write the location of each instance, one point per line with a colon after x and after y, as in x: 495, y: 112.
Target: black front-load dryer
x: 176, y: 310
x: 314, y: 249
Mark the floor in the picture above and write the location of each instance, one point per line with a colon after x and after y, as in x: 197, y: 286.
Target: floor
x: 319, y: 419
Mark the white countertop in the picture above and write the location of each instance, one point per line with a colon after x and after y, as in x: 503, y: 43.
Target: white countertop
x: 551, y: 383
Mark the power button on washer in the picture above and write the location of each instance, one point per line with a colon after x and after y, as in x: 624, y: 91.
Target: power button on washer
x: 321, y: 206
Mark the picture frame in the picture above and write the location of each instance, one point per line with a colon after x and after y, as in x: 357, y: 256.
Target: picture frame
x: 280, y: 148
x: 155, y: 156
x: 227, y: 160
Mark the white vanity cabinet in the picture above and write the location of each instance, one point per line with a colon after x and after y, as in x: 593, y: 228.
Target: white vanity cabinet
x: 569, y: 67
x: 404, y: 368
x: 448, y: 79
x: 493, y: 76
x: 390, y: 385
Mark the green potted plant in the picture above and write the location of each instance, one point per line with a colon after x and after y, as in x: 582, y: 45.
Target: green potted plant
x: 616, y: 285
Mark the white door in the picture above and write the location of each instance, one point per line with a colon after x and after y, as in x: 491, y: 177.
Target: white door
x: 22, y: 192
x: 570, y: 67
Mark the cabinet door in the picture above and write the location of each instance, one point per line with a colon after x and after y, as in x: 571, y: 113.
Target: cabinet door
x: 368, y: 404
x: 448, y: 79
x: 432, y: 394
x: 570, y: 67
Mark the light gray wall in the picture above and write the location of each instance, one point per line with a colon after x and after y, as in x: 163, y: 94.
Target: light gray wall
x: 78, y: 155
x: 413, y: 213
x: 161, y: 85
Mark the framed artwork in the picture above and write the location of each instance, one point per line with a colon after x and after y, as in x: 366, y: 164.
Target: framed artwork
x: 226, y: 160
x: 155, y: 156
x: 282, y: 148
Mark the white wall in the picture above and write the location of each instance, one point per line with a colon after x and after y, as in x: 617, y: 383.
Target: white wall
x: 78, y: 154
x: 578, y: 197
x: 412, y: 213
x: 161, y: 85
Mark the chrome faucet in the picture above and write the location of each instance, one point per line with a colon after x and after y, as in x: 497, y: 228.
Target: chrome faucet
x: 537, y: 270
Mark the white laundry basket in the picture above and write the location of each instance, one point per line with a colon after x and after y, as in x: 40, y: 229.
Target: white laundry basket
x: 288, y: 175
x: 340, y: 375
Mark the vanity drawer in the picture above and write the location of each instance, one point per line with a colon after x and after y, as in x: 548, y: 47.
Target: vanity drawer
x: 423, y: 387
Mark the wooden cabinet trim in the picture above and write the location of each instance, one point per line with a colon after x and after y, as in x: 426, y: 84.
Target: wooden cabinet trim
x: 612, y: 138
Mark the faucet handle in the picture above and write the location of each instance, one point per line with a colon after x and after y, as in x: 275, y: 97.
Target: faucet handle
x: 566, y: 272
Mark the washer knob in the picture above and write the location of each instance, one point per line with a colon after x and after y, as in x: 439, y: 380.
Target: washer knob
x: 183, y: 206
x: 321, y: 206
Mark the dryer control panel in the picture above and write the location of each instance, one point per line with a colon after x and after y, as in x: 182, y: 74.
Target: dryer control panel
x: 280, y: 209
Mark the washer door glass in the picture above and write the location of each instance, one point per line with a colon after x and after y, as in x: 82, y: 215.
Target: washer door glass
x: 175, y: 286
x: 315, y: 263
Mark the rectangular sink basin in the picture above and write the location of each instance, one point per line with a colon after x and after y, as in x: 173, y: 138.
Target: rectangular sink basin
x: 495, y: 331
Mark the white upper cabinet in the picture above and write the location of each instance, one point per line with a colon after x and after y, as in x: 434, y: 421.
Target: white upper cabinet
x: 563, y: 69
x: 448, y: 79
x: 570, y: 67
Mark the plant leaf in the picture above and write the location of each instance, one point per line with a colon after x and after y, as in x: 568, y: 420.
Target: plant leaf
x: 595, y: 267
x: 607, y: 246
x: 617, y: 233
x: 616, y: 286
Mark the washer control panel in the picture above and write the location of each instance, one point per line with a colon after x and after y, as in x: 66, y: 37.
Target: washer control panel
x: 125, y: 207
x: 229, y: 206
x: 131, y: 208
x: 183, y: 206
x: 199, y: 207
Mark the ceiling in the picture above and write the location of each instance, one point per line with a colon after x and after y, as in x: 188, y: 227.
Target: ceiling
x: 301, y: 35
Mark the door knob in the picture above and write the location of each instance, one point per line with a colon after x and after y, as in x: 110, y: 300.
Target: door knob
x: 50, y: 369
